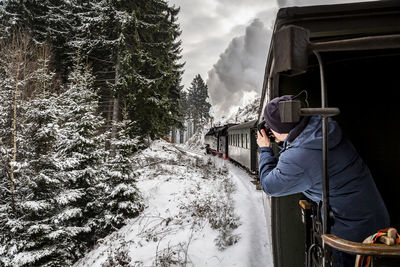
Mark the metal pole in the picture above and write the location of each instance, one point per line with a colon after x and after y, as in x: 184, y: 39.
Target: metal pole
x: 325, y: 174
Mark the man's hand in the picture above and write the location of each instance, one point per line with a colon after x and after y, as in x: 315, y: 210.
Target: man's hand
x: 263, y: 139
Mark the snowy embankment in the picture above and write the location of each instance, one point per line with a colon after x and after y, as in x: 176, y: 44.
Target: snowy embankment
x: 201, y: 211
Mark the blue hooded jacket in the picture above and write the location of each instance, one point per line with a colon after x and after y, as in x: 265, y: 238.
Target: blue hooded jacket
x: 358, y: 208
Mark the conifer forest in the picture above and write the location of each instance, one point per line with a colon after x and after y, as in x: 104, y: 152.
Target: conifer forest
x: 84, y: 85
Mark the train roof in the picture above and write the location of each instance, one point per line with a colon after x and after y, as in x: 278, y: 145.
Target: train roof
x: 225, y: 127
x: 343, y: 20
x: 250, y: 124
x: 216, y: 129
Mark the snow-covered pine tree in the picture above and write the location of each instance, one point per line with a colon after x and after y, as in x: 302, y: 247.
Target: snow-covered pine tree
x: 199, y: 108
x: 123, y: 199
x: 94, y: 38
x: 48, y: 21
x: 100, y: 190
x: 156, y: 69
x: 10, y: 17
x: 39, y: 184
x: 7, y: 185
x: 81, y: 152
x: 33, y: 130
x: 105, y: 33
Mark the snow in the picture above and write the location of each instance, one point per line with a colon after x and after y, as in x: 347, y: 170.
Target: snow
x: 200, y: 211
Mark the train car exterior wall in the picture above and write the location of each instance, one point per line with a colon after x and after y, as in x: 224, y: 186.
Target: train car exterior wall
x: 242, y: 146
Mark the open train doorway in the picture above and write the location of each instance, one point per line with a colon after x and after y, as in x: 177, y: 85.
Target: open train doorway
x: 360, y: 51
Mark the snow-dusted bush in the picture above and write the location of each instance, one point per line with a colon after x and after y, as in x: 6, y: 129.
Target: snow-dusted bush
x: 172, y: 256
x: 119, y: 257
x: 217, y: 208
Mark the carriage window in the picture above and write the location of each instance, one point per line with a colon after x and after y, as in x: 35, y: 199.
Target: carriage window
x: 241, y: 140
x: 246, y: 142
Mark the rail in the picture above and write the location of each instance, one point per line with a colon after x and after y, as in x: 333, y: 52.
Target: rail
x: 361, y: 248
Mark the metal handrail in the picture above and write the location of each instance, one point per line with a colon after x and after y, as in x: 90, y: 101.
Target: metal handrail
x: 361, y: 248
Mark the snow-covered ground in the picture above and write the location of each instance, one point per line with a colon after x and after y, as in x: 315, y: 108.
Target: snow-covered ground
x: 201, y: 211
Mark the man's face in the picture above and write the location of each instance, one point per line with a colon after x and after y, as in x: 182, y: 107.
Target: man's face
x: 278, y: 136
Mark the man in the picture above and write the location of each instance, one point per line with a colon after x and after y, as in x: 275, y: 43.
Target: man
x: 358, y: 208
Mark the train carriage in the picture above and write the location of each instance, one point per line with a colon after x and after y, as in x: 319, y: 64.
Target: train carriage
x: 353, y: 50
x: 243, y: 146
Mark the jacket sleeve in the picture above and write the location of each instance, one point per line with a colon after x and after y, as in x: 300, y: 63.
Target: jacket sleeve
x: 281, y: 178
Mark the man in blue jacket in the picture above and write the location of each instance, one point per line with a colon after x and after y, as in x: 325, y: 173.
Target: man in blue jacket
x: 358, y: 208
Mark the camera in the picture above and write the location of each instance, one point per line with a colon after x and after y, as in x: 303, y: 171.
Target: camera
x: 270, y: 135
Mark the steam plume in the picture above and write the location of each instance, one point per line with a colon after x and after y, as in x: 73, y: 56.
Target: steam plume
x: 236, y: 79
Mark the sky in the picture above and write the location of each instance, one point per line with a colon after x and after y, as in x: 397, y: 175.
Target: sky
x: 227, y: 42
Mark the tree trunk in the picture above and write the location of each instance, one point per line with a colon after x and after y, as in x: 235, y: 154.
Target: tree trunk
x: 181, y: 136
x: 195, y: 127
x: 115, y: 114
x: 14, y: 156
x: 173, y: 135
x: 189, y: 129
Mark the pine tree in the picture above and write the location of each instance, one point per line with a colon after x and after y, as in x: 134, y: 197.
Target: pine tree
x: 27, y: 225
x: 40, y: 185
x: 81, y: 152
x: 123, y: 199
x: 133, y: 47
x: 199, y: 108
x: 156, y: 69
x: 17, y: 60
x: 106, y: 33
x: 48, y: 21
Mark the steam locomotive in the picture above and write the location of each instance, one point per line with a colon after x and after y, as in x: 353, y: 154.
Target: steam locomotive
x: 346, y: 55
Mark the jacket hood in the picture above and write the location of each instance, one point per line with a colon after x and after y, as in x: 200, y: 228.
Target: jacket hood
x: 311, y: 136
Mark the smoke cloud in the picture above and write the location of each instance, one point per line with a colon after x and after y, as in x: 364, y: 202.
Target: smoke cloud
x: 236, y: 79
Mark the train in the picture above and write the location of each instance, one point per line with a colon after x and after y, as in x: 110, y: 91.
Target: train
x: 346, y: 55
x: 216, y: 141
x: 234, y: 142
